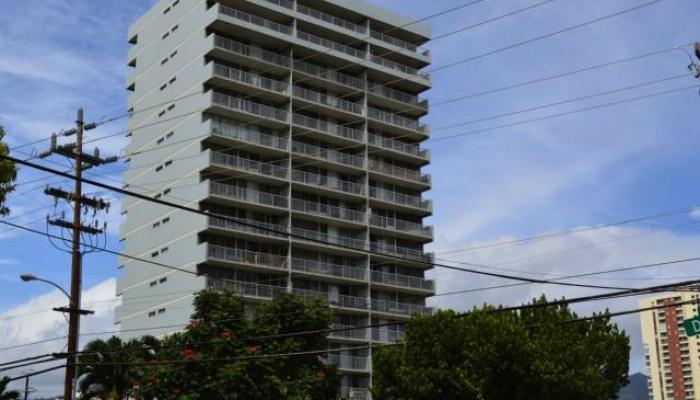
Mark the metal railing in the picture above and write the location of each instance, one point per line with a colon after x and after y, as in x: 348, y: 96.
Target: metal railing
x: 348, y: 332
x: 352, y: 393
x: 235, y: 130
x: 394, y: 307
x: 398, y: 67
x: 224, y: 253
x: 400, y: 225
x: 327, y: 127
x: 394, y: 94
x: 250, y: 78
x: 402, y: 280
x: 250, y: 107
x: 397, y: 145
x: 328, y: 182
x: 396, y: 120
x: 349, y: 362
x: 252, y: 52
x: 251, y: 226
x: 327, y: 100
x: 328, y: 154
x: 329, y: 74
x: 387, y: 336
x: 340, y: 240
x: 329, y: 44
x: 342, y: 301
x: 311, y: 207
x: 248, y: 165
x: 282, y: 3
x: 401, y: 252
x: 399, y: 172
x: 247, y: 195
x: 323, y: 268
x: 331, y: 19
x: 247, y: 289
x: 399, y: 198
x: 255, y: 20
x: 394, y: 41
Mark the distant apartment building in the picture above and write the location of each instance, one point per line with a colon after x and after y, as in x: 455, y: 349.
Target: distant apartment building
x: 298, y: 117
x: 672, y: 358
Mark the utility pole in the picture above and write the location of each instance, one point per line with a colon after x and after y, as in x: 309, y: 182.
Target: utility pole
x: 26, y: 387
x: 75, y: 245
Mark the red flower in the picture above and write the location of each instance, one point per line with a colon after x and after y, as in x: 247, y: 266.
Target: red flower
x: 321, y: 375
x: 251, y: 350
x: 193, y: 324
x: 226, y: 334
x: 188, y: 353
x: 135, y: 382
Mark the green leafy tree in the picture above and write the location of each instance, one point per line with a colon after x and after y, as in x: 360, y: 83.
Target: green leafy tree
x: 531, y: 354
x: 8, y: 175
x: 7, y: 394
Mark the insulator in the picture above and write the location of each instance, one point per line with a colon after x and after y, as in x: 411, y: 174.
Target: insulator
x: 697, y: 50
x: 96, y: 153
x: 54, y: 141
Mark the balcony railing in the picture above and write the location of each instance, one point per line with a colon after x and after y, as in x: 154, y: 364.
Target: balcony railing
x: 252, y: 52
x: 401, y: 252
x: 282, y: 3
x: 331, y: 19
x: 340, y: 240
x: 394, y: 41
x: 328, y: 154
x: 247, y: 195
x: 341, y: 301
x: 328, y: 74
x: 353, y: 363
x: 387, y: 336
x: 399, y: 198
x: 248, y: 165
x: 398, y: 172
x: 228, y: 254
x: 396, y: 120
x: 352, y: 393
x: 250, y: 107
x: 397, y: 145
x: 327, y: 100
x: 328, y: 182
x: 400, y: 225
x: 399, y: 67
x: 237, y: 131
x: 394, y: 307
x: 329, y: 44
x: 325, y: 210
x: 402, y: 280
x: 247, y: 289
x: 403, y: 97
x: 255, y: 20
x: 348, y: 332
x: 248, y: 225
x: 322, y: 268
x: 328, y: 127
x: 250, y: 78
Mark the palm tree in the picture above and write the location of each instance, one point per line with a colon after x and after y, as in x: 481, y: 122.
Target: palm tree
x: 7, y: 394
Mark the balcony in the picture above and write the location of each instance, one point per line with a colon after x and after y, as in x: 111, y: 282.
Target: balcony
x: 397, y: 99
x: 348, y: 332
x: 248, y: 226
x: 250, y: 52
x: 397, y: 121
x: 402, y: 226
x: 255, y: 20
x: 324, y: 210
x: 387, y: 336
x: 349, y: 363
x: 331, y: 45
x: 399, y: 172
x: 352, y: 393
x: 327, y: 269
x: 394, y: 307
x: 403, y: 69
x: 399, y: 146
x: 242, y: 133
x: 334, y: 102
x: 337, y: 301
x: 240, y: 105
x: 398, y: 43
x: 329, y: 128
x: 328, y: 183
x: 326, y: 238
x: 243, y: 257
x: 404, y: 281
x: 282, y: 3
x: 247, y: 289
x: 247, y: 165
x: 250, y: 79
x: 333, y: 156
x: 415, y: 202
x: 329, y: 75
x: 331, y: 19
x: 247, y: 195
x: 401, y: 252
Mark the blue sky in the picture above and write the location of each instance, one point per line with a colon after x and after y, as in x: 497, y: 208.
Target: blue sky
x: 578, y: 170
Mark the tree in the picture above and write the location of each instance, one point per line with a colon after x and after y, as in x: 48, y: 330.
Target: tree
x: 531, y: 354
x: 7, y: 394
x: 8, y: 174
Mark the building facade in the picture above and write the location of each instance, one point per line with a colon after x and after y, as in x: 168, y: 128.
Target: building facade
x: 672, y: 358
x: 296, y: 116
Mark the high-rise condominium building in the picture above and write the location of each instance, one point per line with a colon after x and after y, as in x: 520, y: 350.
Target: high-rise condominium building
x: 293, y: 116
x: 672, y: 358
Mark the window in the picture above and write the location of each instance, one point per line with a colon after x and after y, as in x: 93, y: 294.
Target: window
x: 163, y: 86
x: 161, y: 140
x: 161, y: 311
x: 163, y: 280
x: 168, y: 162
x: 167, y: 10
x: 130, y: 134
x: 154, y: 254
x: 175, y: 2
x: 168, y: 190
x: 166, y: 220
x: 164, y: 250
x: 173, y: 54
x: 170, y: 134
x: 151, y: 314
x: 153, y: 283
x: 158, y: 168
x: 174, y: 28
x: 165, y: 60
x: 160, y: 114
x: 170, y: 107
x: 157, y: 196
x: 156, y: 225
x: 165, y: 35
x: 171, y: 82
